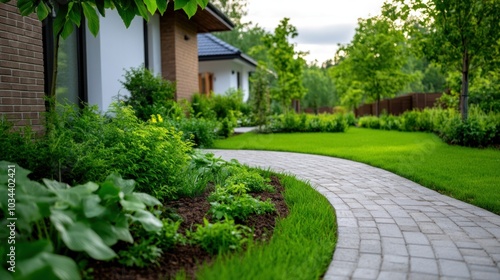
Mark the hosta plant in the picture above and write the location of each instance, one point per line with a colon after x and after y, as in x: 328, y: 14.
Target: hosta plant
x: 54, y: 219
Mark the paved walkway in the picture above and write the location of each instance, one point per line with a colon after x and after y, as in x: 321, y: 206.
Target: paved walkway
x: 390, y: 227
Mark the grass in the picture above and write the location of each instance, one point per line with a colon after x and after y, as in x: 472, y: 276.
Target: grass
x: 468, y: 174
x: 301, y: 247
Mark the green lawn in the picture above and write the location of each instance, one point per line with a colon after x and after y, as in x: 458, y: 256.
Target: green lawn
x: 471, y: 175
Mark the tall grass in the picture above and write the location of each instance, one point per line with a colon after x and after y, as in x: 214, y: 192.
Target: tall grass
x: 468, y: 174
x: 301, y: 247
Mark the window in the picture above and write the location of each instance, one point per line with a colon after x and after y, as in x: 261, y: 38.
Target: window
x: 238, y: 80
x: 71, y: 78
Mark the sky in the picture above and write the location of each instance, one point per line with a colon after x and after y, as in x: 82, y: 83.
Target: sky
x: 321, y: 24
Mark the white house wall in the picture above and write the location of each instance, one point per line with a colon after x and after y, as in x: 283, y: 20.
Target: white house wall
x: 225, y: 77
x: 114, y: 49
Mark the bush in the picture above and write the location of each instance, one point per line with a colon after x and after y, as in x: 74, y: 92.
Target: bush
x: 83, y: 145
x: 293, y: 122
x: 149, y: 94
x: 221, y: 237
x: 479, y: 130
x: 199, y: 131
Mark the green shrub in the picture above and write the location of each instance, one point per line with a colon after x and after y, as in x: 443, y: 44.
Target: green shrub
x: 200, y: 131
x: 292, y: 122
x: 149, y: 94
x: 222, y: 236
x: 54, y: 217
x: 251, y: 179
x: 479, y: 130
x: 227, y: 205
x: 140, y: 254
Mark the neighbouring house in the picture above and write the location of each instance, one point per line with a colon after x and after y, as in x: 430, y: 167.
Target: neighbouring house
x: 90, y: 68
x: 222, y: 66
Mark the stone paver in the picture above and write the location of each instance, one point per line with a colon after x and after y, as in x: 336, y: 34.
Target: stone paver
x: 388, y: 226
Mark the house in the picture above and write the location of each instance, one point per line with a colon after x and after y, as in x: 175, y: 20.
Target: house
x: 90, y: 68
x: 222, y: 66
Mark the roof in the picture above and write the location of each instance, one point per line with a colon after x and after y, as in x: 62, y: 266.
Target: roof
x: 211, y: 19
x: 213, y: 48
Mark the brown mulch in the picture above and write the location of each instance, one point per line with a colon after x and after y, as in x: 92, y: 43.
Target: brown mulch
x: 189, y: 258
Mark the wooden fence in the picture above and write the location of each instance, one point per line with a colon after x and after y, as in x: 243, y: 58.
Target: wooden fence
x: 398, y: 105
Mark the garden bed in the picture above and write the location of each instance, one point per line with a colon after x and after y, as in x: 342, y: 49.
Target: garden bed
x: 190, y: 257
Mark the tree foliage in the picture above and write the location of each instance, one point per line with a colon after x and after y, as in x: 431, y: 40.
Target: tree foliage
x: 259, y: 94
x: 462, y: 34
x: 287, y: 63
x: 320, y: 89
x: 371, y: 66
x: 234, y: 9
x: 69, y: 14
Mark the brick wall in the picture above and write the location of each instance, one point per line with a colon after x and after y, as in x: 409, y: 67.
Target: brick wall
x: 21, y: 68
x: 179, y: 52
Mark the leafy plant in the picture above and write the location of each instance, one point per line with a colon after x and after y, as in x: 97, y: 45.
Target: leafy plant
x: 140, y: 254
x: 239, y: 206
x: 221, y: 237
x: 250, y: 179
x: 52, y: 217
x: 149, y: 94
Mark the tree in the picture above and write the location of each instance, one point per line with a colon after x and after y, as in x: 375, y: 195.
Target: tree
x: 68, y: 14
x: 234, y: 9
x: 464, y: 34
x: 259, y: 93
x: 371, y: 66
x: 320, y: 89
x: 287, y: 63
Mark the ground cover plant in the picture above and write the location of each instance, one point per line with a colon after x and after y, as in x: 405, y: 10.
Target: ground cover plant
x: 468, y: 174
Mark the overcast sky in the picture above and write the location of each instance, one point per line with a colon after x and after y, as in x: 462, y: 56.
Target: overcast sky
x: 321, y: 24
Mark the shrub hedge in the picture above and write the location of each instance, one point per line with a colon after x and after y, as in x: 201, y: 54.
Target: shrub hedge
x: 479, y: 130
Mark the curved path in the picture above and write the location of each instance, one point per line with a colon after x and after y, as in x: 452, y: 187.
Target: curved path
x: 390, y: 227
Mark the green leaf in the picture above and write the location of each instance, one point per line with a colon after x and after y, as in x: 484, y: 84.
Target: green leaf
x: 141, y: 8
x: 25, y: 250
x: 147, y: 199
x: 151, y: 5
x: 42, y: 11
x: 126, y: 186
x: 55, y: 185
x: 190, y: 8
x: 162, y: 6
x: 64, y: 268
x: 75, y: 13
x: 80, y: 237
x: 202, y: 3
x: 92, y: 207
x: 132, y: 203
x: 26, y: 7
x: 4, y: 274
x: 101, y: 7
x: 179, y: 4
x: 60, y: 20
x: 106, y: 231
x: 127, y: 15
x: 148, y: 220
x: 121, y: 229
x: 92, y: 18
x: 37, y: 261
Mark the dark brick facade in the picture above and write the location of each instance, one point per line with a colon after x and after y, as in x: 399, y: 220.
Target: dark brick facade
x: 21, y: 68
